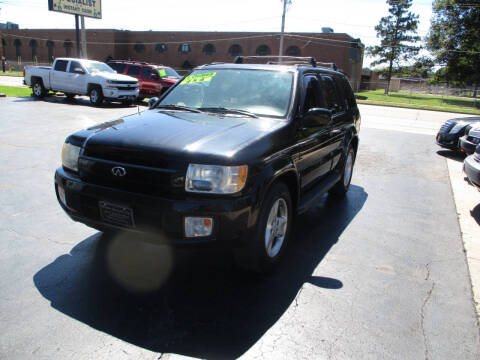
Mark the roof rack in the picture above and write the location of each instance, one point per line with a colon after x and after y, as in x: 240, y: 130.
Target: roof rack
x: 287, y: 60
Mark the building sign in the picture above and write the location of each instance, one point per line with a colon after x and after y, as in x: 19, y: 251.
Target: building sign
x: 90, y: 8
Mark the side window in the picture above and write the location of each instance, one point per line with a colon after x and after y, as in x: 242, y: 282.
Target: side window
x: 75, y: 65
x: 133, y: 70
x: 332, y: 100
x: 61, y: 65
x: 346, y: 89
x: 312, y: 93
x: 147, y: 73
x: 119, y: 68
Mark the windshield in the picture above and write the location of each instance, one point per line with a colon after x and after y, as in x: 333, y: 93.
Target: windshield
x: 260, y: 92
x: 93, y: 67
x: 168, y: 73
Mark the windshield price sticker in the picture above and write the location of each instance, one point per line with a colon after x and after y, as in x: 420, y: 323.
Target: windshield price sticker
x: 193, y: 79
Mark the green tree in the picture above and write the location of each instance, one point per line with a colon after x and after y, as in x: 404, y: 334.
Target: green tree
x: 397, y: 32
x: 454, y: 40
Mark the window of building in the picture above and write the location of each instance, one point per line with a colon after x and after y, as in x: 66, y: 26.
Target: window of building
x: 184, y: 48
x: 235, y: 50
x: 50, y: 46
x: 33, y: 45
x: 161, y: 48
x: 263, y: 50
x: 139, y: 48
x: 293, y: 51
x: 133, y: 70
x: 209, y: 49
x: 68, y: 45
x: 18, y: 48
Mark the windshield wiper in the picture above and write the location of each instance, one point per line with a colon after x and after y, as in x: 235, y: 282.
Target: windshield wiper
x: 229, y: 111
x: 177, y: 107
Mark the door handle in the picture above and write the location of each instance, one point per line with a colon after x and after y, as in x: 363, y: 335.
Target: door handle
x: 335, y: 132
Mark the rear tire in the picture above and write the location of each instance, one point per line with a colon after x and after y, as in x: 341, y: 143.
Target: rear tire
x: 38, y: 88
x: 96, y: 95
x: 341, y: 187
x: 272, y: 232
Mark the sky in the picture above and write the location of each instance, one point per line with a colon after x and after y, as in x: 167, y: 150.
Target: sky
x: 354, y: 17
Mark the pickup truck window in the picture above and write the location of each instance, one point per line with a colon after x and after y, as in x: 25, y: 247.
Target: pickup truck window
x: 261, y: 92
x: 61, y: 65
x: 133, y: 70
x: 75, y: 65
x: 94, y: 67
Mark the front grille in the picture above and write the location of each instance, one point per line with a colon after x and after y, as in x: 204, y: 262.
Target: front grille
x: 124, y: 82
x: 126, y: 88
x: 137, y: 179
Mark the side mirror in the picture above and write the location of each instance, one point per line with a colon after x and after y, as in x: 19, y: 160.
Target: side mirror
x: 152, y: 102
x: 316, y: 117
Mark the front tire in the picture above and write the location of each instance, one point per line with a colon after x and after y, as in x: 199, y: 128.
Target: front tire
x: 38, y: 89
x: 341, y: 187
x: 96, y: 96
x: 272, y: 232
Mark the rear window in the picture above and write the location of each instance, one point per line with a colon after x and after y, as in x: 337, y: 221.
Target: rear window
x: 346, y: 89
x: 119, y: 68
x: 61, y: 65
x: 133, y: 70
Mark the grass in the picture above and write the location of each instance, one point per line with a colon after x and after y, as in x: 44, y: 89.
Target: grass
x: 15, y: 91
x: 11, y: 73
x: 420, y: 101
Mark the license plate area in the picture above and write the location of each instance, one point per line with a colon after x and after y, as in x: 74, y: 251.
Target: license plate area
x: 116, y: 214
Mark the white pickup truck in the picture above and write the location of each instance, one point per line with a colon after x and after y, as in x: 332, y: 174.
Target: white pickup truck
x: 81, y: 77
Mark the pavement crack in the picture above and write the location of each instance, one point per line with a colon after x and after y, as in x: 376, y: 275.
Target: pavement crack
x: 422, y: 311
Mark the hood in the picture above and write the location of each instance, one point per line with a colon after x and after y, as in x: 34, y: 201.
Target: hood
x: 155, y: 136
x: 114, y: 76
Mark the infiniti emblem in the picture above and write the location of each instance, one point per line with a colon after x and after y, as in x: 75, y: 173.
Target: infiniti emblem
x: 119, y: 171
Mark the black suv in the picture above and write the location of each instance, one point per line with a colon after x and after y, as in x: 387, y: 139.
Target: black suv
x: 229, y: 155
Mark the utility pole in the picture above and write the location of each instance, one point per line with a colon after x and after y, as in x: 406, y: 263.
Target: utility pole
x: 77, y: 33
x: 83, y: 37
x: 280, y: 53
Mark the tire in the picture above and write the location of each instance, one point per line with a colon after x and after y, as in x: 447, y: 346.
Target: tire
x: 140, y: 99
x: 341, y: 187
x: 38, y: 89
x: 127, y: 102
x: 264, y: 251
x: 96, y: 95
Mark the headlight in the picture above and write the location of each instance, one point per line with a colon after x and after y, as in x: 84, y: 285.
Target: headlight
x: 457, y: 128
x: 70, y: 155
x: 215, y: 179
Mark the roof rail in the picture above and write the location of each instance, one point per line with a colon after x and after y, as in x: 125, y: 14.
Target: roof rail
x: 289, y: 60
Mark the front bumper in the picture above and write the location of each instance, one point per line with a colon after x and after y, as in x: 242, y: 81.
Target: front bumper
x: 472, y: 169
x: 161, y: 217
x: 116, y: 94
x: 466, y: 145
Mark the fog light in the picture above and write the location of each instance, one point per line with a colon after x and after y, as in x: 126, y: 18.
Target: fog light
x: 198, y: 226
x: 61, y: 195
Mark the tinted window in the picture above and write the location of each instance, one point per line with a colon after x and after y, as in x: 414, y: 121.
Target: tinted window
x: 75, y: 65
x: 347, y: 91
x: 133, y: 70
x: 147, y: 72
x: 312, y: 93
x: 119, y: 68
x: 330, y: 94
x: 61, y: 65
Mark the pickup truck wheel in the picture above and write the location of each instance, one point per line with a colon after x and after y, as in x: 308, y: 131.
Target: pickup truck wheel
x: 341, y: 188
x: 38, y: 89
x: 96, y: 95
x: 263, y: 252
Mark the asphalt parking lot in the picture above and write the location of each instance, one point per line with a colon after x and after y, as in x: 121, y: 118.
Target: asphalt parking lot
x: 379, y: 275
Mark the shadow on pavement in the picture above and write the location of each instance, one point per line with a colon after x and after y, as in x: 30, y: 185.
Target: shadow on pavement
x: 78, y: 100
x: 452, y: 155
x: 475, y: 213
x: 195, y: 302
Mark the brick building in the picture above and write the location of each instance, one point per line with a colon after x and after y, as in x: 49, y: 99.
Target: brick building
x: 182, y: 50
